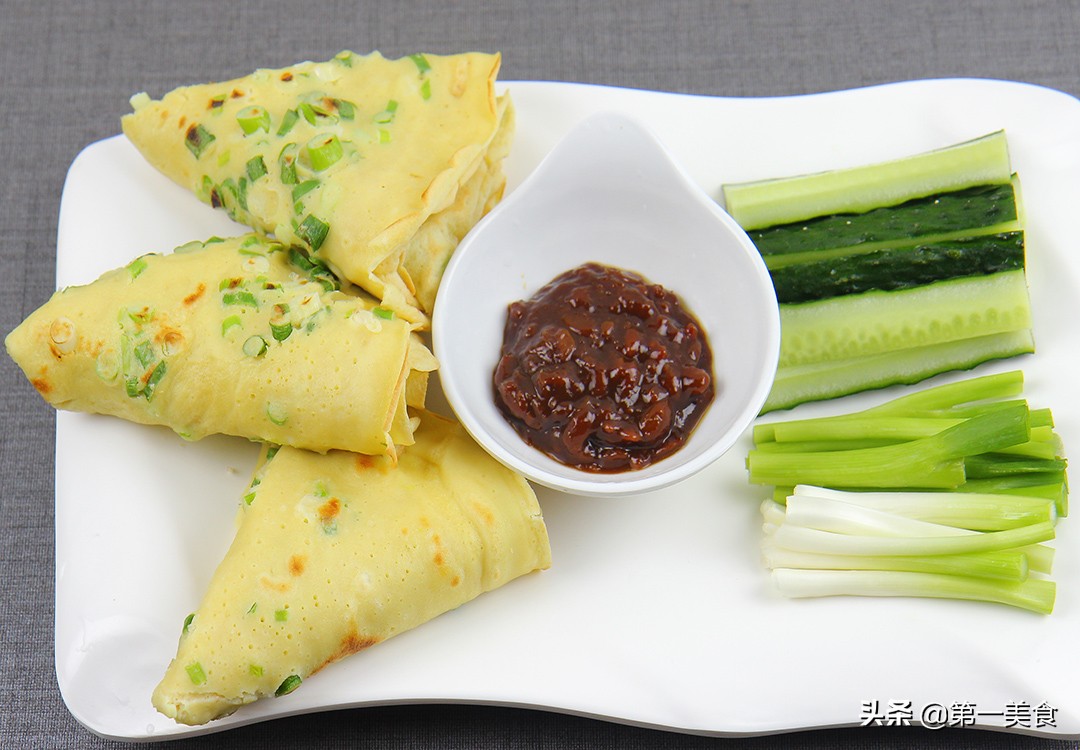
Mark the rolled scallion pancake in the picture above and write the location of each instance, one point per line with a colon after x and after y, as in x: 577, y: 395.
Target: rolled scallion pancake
x: 238, y: 336
x: 335, y: 553
x: 349, y: 158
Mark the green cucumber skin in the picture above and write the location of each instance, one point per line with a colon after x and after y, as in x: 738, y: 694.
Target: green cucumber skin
x: 820, y: 382
x: 943, y: 214
x: 895, y: 269
x: 876, y: 322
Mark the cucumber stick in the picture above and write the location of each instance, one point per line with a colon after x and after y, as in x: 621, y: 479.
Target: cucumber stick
x: 878, y: 322
x: 984, y: 209
x: 892, y: 272
x: 819, y: 381
x: 982, y: 161
x: 889, y: 269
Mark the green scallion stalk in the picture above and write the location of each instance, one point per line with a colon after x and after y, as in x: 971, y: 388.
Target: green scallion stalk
x: 198, y: 139
x: 814, y: 540
x: 303, y: 188
x: 387, y: 115
x: 136, y: 267
x: 255, y: 168
x: 995, y: 386
x: 154, y: 379
x: 255, y: 346
x: 324, y: 151
x: 1036, y: 595
x: 346, y: 109
x: 307, y: 112
x: 281, y: 331
x: 312, y: 230
x: 239, y: 297
x: 422, y: 64
x: 843, y: 517
x: 195, y: 673
x: 974, y: 511
x: 1008, y: 565
x: 382, y: 312
x: 253, y: 119
x: 141, y: 317
x: 1040, y: 558
x: 288, y: 685
x: 287, y: 163
x: 989, y: 465
x: 144, y: 353
x: 288, y: 120
x: 277, y: 414
x: 931, y: 462
x: 230, y: 323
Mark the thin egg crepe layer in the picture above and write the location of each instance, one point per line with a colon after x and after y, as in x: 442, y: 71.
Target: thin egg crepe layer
x: 338, y: 552
x: 240, y: 336
x: 348, y: 158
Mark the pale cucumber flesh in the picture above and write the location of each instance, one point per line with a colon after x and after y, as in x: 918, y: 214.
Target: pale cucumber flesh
x: 877, y: 322
x: 820, y: 381
x: 981, y: 161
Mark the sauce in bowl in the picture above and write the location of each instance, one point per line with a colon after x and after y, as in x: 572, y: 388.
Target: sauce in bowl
x: 603, y: 371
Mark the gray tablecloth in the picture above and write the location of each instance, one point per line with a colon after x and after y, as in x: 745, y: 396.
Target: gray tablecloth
x: 67, y: 70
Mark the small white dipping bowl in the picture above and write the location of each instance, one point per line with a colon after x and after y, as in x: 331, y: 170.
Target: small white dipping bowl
x: 609, y: 193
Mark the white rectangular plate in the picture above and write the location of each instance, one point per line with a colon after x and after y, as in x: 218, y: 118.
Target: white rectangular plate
x: 657, y: 610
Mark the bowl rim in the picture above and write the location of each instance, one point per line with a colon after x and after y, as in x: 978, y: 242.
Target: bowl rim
x: 604, y: 484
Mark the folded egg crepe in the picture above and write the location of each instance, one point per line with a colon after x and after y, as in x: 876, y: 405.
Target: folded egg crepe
x: 335, y: 553
x: 240, y: 336
x: 376, y: 166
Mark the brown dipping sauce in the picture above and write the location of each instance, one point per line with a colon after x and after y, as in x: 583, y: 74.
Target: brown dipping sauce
x: 603, y: 371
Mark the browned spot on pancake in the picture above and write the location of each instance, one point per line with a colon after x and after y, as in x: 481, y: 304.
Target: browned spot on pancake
x: 237, y: 93
x: 279, y: 586
x: 455, y: 581
x: 350, y: 644
x: 169, y: 339
x: 43, y: 386
x: 329, y: 510
x: 296, y: 564
x: 183, y: 121
x: 405, y: 530
x: 192, y: 298
x: 364, y: 462
x: 485, y: 513
x: 286, y: 76
x: 438, y: 558
x: 425, y: 522
x: 144, y: 315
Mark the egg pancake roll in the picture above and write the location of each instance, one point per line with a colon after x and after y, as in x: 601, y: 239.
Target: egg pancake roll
x: 347, y: 158
x: 239, y: 336
x: 336, y: 553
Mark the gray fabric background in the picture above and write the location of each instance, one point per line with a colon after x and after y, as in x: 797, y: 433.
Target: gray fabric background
x: 67, y: 70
